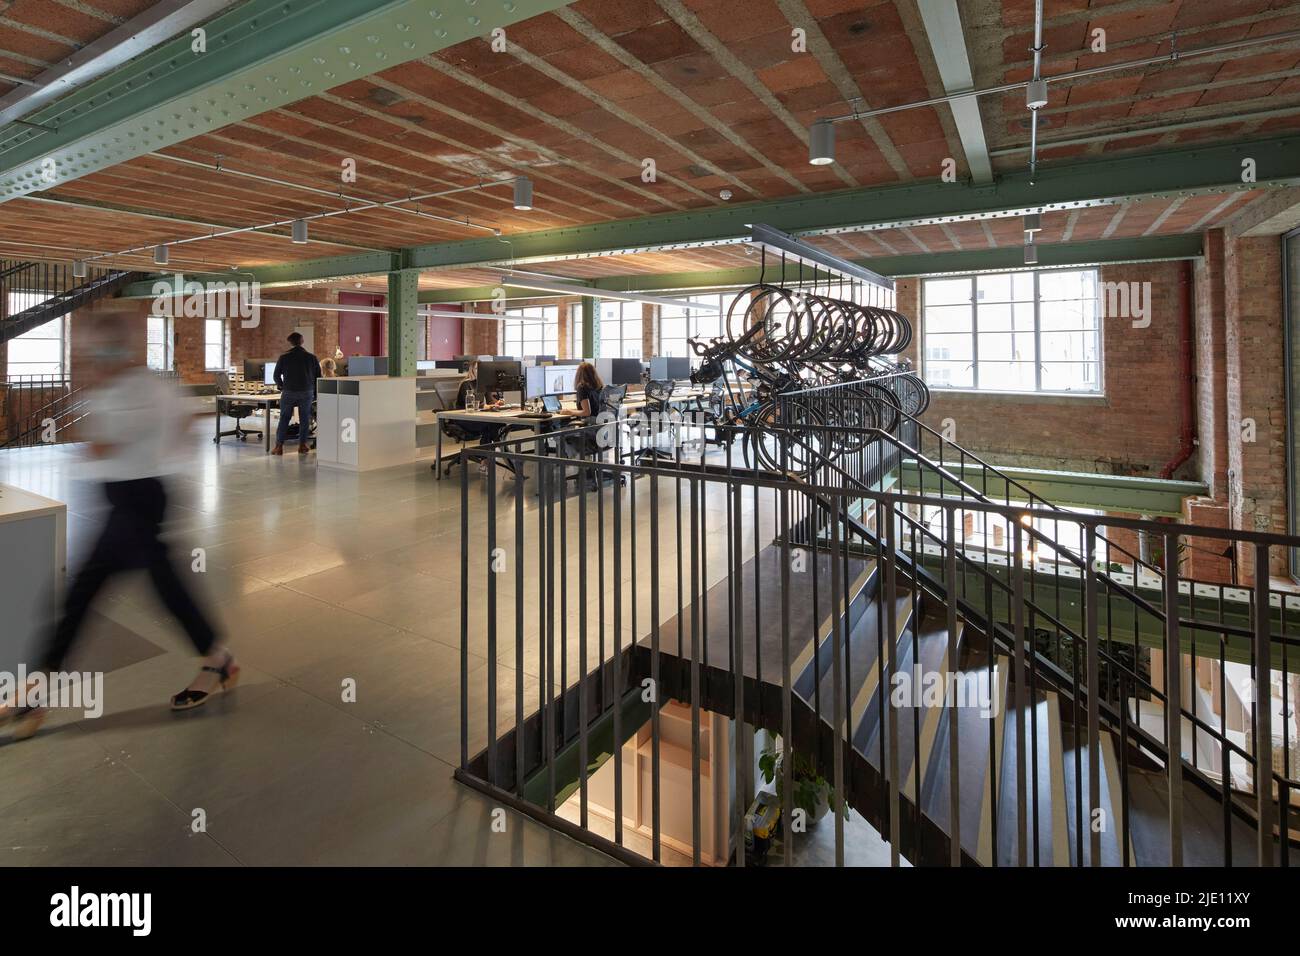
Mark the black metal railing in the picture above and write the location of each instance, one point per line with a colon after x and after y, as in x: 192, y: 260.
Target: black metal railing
x: 39, y: 409
x: 33, y: 293
x: 625, y: 614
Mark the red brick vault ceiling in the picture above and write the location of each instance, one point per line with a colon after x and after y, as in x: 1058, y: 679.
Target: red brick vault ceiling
x: 710, y: 90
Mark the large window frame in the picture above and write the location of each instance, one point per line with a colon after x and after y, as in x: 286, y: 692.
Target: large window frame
x: 216, y: 336
x: 684, y: 324
x: 158, y: 343
x: 531, y: 330
x: 55, y: 330
x: 627, y: 321
x: 1024, y: 320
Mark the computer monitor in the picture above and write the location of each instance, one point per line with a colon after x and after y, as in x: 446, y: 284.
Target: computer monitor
x: 459, y: 365
x: 534, y: 381
x: 539, y: 359
x: 497, y: 376
x: 254, y: 370
x: 268, y: 376
x: 669, y: 369
x: 623, y: 371
x: 559, y: 379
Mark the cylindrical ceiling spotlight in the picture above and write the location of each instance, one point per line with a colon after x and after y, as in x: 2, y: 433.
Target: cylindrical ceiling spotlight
x: 160, y: 255
x: 79, y: 269
x: 1031, y: 254
x: 1036, y: 94
x: 300, y: 231
x: 523, y: 193
x: 821, y: 143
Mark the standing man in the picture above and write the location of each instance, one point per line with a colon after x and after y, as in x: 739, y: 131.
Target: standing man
x: 296, y: 372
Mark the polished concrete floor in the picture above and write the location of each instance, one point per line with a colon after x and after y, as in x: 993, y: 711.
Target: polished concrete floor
x: 320, y: 577
x: 316, y: 577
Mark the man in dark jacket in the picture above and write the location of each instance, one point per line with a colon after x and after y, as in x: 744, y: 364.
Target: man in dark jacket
x: 296, y: 372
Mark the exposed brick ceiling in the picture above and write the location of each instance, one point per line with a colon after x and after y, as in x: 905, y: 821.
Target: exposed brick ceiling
x: 718, y: 100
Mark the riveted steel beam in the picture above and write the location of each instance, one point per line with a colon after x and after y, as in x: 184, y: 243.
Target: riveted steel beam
x: 1051, y: 255
x: 258, y: 56
x: 1184, y: 172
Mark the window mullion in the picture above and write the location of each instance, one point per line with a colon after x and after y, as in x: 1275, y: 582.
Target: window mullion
x: 974, y: 338
x: 1038, y: 352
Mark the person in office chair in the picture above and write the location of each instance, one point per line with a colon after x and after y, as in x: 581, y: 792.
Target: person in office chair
x: 296, y: 372
x: 486, y: 432
x: 134, y: 422
x: 589, y: 393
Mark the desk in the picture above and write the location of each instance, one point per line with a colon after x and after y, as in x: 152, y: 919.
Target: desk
x: 267, y: 402
x: 514, y: 417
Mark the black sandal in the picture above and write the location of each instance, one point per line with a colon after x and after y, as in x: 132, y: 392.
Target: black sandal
x: 189, y: 698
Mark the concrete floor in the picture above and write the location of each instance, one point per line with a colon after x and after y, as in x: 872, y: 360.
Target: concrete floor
x: 316, y: 576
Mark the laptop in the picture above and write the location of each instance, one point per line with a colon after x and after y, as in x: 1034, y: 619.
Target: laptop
x: 551, y: 403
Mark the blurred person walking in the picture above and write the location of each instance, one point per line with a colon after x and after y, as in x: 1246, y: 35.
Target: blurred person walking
x: 134, y: 422
x: 296, y: 372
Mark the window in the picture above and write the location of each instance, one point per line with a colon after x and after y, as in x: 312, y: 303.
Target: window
x: 620, y: 329
x: 1013, y: 332
x: 534, y: 330
x: 678, y: 325
x: 39, y: 351
x: 159, y: 347
x: 216, y: 345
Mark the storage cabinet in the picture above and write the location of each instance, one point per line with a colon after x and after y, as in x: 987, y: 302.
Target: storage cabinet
x: 364, y: 422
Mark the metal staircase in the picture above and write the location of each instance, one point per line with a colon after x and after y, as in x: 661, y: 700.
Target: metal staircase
x: 799, y: 602
x: 57, y: 289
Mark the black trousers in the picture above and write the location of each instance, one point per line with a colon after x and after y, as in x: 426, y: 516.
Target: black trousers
x: 129, y: 541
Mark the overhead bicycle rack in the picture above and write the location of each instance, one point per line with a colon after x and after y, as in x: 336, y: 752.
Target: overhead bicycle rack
x: 796, y: 250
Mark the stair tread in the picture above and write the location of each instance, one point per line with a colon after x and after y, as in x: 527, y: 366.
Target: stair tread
x: 1112, y: 830
x: 932, y: 644
x: 1045, y: 807
x: 973, y: 752
x: 861, y: 657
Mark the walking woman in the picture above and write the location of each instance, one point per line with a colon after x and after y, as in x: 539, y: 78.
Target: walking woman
x: 133, y: 425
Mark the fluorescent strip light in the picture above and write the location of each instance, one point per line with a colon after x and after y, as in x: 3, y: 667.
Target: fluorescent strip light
x: 565, y: 288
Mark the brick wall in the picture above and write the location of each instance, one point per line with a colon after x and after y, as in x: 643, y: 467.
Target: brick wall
x: 482, y: 336
x: 1132, y: 429
x: 1211, y: 366
x: 1256, y: 391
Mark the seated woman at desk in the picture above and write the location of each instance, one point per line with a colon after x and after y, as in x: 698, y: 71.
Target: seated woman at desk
x: 589, y: 392
x: 487, y: 432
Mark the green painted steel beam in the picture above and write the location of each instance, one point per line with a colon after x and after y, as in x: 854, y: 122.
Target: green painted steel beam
x: 291, y: 273
x: 1183, y: 172
x: 259, y: 56
x: 1100, y: 252
x: 1071, y: 489
x: 405, y: 329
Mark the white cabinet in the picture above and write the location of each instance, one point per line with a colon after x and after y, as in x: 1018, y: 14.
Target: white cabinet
x: 33, y: 562
x: 364, y: 422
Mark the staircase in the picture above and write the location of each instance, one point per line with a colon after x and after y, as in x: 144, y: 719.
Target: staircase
x: 1037, y: 763
x: 59, y: 292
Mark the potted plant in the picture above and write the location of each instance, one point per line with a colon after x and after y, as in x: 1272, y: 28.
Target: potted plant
x: 813, y: 793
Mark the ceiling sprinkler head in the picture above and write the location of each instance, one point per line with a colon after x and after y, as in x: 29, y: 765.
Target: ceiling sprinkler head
x: 725, y: 194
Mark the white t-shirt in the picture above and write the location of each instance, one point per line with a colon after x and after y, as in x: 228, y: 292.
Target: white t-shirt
x: 139, y: 415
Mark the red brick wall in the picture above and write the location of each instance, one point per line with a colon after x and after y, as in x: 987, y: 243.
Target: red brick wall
x: 1256, y: 391
x: 482, y: 336
x: 1133, y: 428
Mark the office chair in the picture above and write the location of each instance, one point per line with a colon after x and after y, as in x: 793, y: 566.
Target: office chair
x: 236, y: 410
x: 659, y: 410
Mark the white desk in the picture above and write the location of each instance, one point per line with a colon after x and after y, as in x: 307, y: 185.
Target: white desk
x: 33, y: 563
x: 514, y: 417
x: 266, y: 402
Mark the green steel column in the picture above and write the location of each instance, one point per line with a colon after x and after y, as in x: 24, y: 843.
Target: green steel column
x: 590, y: 331
x: 403, y: 321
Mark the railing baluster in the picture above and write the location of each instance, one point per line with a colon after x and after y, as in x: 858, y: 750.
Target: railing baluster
x: 1094, y: 692
x: 1173, y: 708
x: 1263, y: 688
